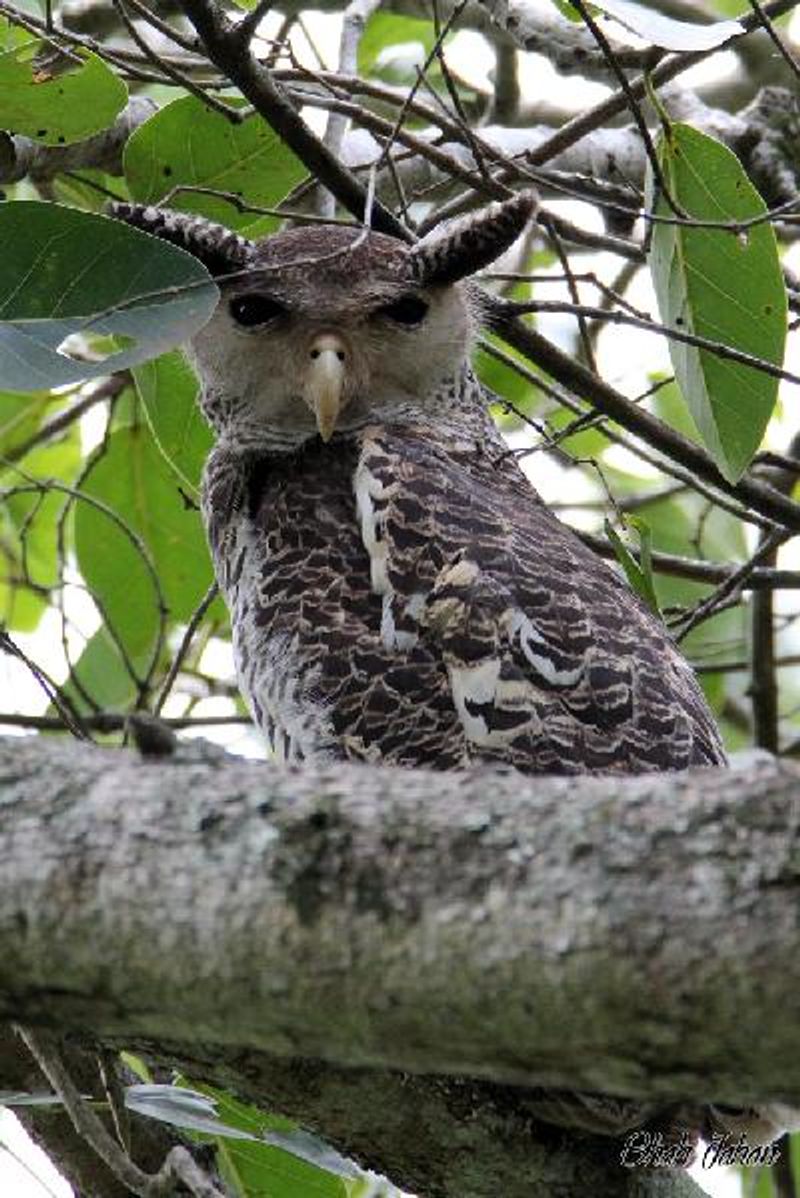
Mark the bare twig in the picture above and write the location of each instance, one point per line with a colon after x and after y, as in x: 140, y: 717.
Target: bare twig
x: 112, y: 721
x: 763, y: 683
x: 69, y: 718
x: 183, y: 648
x: 763, y: 498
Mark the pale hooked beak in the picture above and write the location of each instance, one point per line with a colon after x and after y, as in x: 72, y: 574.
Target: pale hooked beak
x: 324, y: 384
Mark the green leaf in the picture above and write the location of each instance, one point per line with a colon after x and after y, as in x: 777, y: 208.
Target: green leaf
x: 101, y: 674
x: 21, y: 415
x: 76, y: 189
x: 29, y: 531
x: 70, y: 105
x: 168, y: 390
x: 64, y: 272
x: 384, y: 33
x: 260, y: 1168
x: 188, y: 143
x: 130, y: 477
x: 12, y: 35
x: 639, y: 574
x: 721, y: 285
x: 570, y: 12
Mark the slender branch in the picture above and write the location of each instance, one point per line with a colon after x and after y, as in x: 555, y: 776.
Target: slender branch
x: 758, y: 578
x: 112, y: 721
x: 68, y: 717
x: 107, y: 389
x: 763, y: 681
x: 183, y: 648
x: 763, y: 498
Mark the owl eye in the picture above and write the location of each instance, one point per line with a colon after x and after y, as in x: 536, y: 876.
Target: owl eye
x: 252, y: 310
x: 408, y: 310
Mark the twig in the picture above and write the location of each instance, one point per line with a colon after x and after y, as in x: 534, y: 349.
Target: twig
x: 108, y: 389
x: 755, y: 494
x: 183, y: 648
x: 665, y: 464
x: 669, y: 68
x: 733, y: 585
x: 653, y: 326
x: 234, y: 115
x: 179, y: 1165
x: 111, y: 721
x: 777, y: 42
x: 763, y: 683
x: 572, y: 286
x: 759, y: 579
x: 632, y: 103
x: 247, y: 27
x: 69, y: 718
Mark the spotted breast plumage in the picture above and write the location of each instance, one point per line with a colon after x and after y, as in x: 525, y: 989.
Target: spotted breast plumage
x: 398, y: 591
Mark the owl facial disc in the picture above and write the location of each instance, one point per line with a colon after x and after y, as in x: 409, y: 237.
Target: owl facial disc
x: 324, y: 389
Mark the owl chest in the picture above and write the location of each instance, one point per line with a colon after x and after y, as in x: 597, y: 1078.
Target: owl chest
x: 296, y: 577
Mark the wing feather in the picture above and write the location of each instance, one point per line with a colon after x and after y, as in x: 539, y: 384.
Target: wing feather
x: 553, y: 663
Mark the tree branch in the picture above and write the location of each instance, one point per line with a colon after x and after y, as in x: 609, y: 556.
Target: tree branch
x: 518, y: 932
x: 452, y: 931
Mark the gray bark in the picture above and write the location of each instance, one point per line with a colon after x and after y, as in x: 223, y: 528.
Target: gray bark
x: 327, y: 939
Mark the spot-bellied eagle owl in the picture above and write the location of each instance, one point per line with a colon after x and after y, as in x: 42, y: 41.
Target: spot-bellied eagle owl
x: 398, y: 591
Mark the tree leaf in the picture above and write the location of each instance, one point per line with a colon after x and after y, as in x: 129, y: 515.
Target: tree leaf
x: 168, y: 390
x: 131, y: 477
x: 384, y: 31
x: 29, y: 531
x: 261, y: 1168
x: 660, y: 30
x: 77, y: 101
x: 21, y: 415
x: 12, y: 35
x: 101, y: 673
x: 188, y: 143
x: 181, y: 1107
x: 64, y: 272
x: 639, y: 574
x: 719, y: 284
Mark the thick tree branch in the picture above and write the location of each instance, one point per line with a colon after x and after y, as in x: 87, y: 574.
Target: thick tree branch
x: 533, y: 931
x: 303, y: 935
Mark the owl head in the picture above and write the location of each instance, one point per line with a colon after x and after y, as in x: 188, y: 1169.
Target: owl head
x: 322, y: 329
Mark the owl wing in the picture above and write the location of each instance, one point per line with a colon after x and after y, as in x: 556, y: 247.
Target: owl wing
x: 554, y: 664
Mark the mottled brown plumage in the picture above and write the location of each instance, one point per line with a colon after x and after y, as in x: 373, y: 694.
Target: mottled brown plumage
x: 398, y: 591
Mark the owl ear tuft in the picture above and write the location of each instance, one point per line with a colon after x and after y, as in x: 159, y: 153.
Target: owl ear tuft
x: 467, y: 245
x: 220, y: 250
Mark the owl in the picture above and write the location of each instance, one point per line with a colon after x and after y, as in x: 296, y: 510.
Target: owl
x: 398, y: 591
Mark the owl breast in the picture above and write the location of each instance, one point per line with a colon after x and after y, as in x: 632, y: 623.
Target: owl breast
x: 320, y: 673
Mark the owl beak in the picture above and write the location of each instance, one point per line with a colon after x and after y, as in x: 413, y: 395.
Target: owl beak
x: 324, y: 383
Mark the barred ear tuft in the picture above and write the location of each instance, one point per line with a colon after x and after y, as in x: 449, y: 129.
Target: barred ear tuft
x: 219, y: 249
x: 467, y: 245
